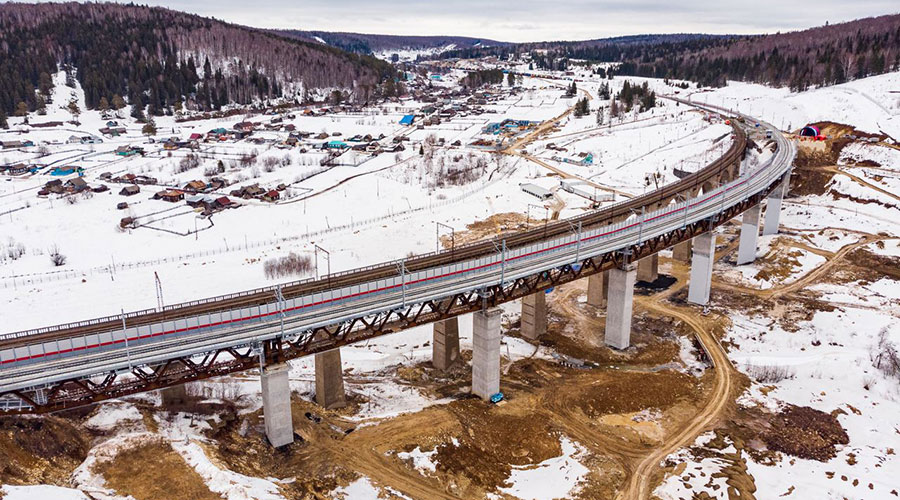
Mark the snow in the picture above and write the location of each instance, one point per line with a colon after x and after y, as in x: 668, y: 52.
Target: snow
x: 364, y: 489
x: 110, y: 270
x: 556, y: 477
x: 108, y: 416
x: 388, y: 204
x: 229, y: 484
x: 421, y: 460
x: 699, y: 472
x: 885, y: 156
x: 40, y: 492
x: 867, y: 104
x: 408, y: 54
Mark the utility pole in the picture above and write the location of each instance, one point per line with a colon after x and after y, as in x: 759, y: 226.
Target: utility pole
x: 437, y: 237
x: 159, y: 294
x: 316, y: 249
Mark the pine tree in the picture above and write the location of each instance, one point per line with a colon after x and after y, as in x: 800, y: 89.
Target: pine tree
x: 74, y: 110
x: 4, y: 123
x: 137, y: 109
x: 21, y: 109
x: 117, y: 102
x: 149, y: 128
x: 104, y: 104
x: 45, y: 84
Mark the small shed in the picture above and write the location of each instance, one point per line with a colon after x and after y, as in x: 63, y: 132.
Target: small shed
x: 170, y: 195
x: 77, y: 184
x: 130, y: 190
x: 537, y: 191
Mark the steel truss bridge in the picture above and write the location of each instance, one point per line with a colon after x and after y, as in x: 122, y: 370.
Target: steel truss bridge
x: 65, y: 366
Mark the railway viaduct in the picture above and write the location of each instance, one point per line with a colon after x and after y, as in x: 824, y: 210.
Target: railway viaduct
x: 76, y: 364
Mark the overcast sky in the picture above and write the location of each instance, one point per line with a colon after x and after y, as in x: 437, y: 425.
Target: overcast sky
x: 535, y: 20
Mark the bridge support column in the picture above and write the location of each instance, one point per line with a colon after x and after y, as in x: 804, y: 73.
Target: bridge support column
x: 702, y: 267
x: 749, y: 236
x: 174, y: 396
x: 445, y: 343
x: 682, y: 251
x: 329, y: 380
x: 276, y: 394
x: 598, y: 288
x: 773, y: 206
x: 534, y: 315
x: 648, y: 268
x: 486, y: 353
x: 619, y: 306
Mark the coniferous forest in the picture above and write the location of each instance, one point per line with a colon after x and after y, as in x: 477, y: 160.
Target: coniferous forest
x: 826, y: 55
x: 162, y: 59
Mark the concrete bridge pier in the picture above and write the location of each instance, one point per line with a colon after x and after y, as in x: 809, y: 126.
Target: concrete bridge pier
x: 276, y: 394
x: 329, y: 380
x: 174, y: 396
x: 534, y: 315
x: 486, y: 353
x: 619, y: 306
x: 682, y: 251
x: 702, y: 267
x: 749, y: 236
x: 773, y: 206
x: 598, y: 288
x: 445, y: 343
x: 648, y: 268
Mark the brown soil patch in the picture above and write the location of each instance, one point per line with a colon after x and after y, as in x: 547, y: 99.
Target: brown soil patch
x: 494, y: 225
x: 241, y: 445
x: 839, y: 131
x: 872, y: 266
x: 635, y: 391
x: 154, y: 471
x: 805, y: 432
x: 798, y: 431
x: 40, y: 450
x: 808, y: 180
x: 493, y: 441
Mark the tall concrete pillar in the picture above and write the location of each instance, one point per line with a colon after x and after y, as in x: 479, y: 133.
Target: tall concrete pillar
x: 773, y: 206
x: 486, y: 353
x: 648, y: 268
x: 749, y: 236
x: 329, y: 380
x: 276, y: 394
x: 598, y: 287
x: 619, y: 306
x: 445, y: 344
x: 534, y: 315
x: 702, y: 267
x: 174, y: 396
x: 682, y: 251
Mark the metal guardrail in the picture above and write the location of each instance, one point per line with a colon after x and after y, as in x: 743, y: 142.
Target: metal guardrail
x: 76, y: 324
x: 259, y: 290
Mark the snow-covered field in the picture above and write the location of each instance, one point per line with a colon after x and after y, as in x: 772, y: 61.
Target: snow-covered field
x: 827, y: 360
x: 387, y: 206
x: 390, y: 202
x: 871, y: 104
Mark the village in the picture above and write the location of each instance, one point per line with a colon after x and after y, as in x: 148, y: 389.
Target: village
x: 102, y: 215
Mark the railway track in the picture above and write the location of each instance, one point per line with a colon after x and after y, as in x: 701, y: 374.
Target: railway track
x: 386, y: 270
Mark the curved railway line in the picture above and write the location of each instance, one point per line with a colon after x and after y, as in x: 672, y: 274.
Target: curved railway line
x: 244, y: 330
x: 711, y: 174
